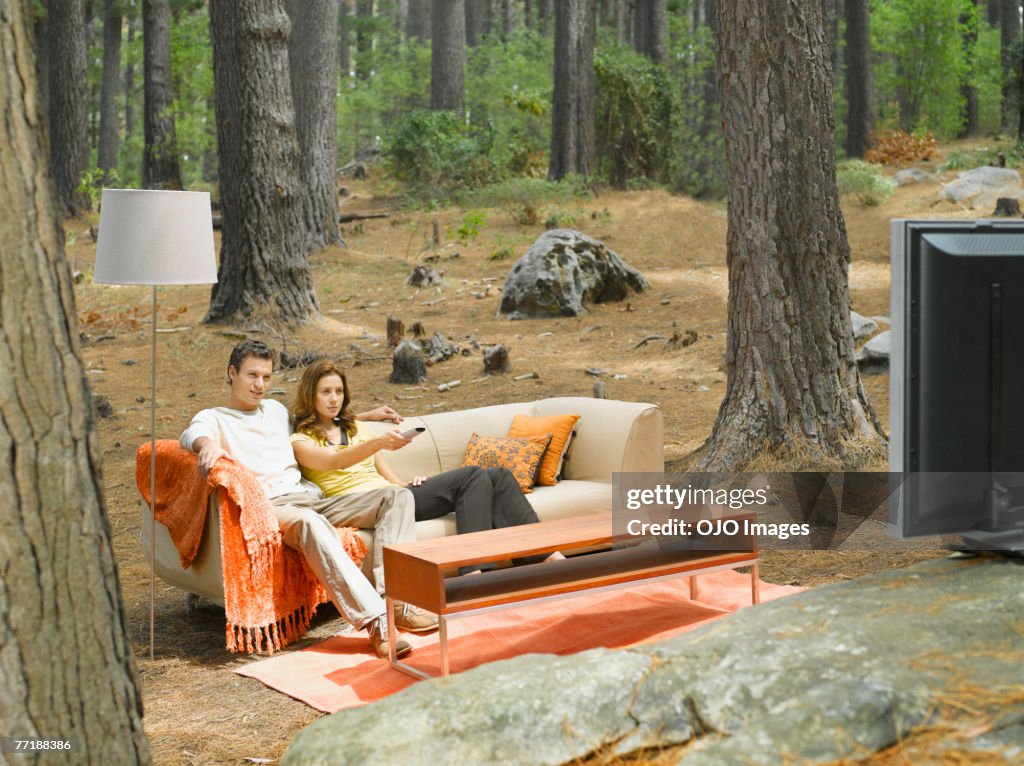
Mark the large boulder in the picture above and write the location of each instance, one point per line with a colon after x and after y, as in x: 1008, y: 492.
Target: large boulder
x: 981, y: 187
x: 837, y: 672
x: 561, y: 271
x: 873, y: 358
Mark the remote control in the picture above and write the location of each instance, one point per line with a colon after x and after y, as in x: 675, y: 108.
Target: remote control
x: 412, y: 432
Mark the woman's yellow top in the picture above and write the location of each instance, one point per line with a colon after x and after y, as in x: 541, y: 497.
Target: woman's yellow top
x: 359, y: 477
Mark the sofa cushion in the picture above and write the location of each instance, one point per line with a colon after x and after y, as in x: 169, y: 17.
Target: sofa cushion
x: 560, y: 428
x: 571, y: 498
x: 520, y: 456
x: 451, y: 430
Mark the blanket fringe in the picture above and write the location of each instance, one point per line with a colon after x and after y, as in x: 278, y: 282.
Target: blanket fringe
x: 271, y: 637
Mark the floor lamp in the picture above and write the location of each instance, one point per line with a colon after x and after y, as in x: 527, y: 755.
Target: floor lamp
x: 150, y: 237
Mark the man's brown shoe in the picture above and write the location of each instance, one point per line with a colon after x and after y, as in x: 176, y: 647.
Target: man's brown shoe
x: 378, y: 630
x: 412, y: 619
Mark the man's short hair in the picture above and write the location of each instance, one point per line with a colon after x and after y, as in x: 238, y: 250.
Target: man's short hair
x: 247, y: 348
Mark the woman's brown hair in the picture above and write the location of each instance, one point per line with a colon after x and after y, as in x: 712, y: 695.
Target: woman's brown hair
x: 304, y: 417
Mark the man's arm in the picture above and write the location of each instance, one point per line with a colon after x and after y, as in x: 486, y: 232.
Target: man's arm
x: 209, y: 453
x: 202, y: 436
x: 380, y: 413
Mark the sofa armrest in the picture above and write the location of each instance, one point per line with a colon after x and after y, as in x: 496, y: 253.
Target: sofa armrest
x: 611, y: 436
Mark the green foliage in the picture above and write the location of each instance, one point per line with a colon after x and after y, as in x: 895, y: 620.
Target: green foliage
x: 526, y: 200
x: 436, y: 152
x: 469, y: 228
x: 501, y: 254
x: 192, y: 69
x: 864, y: 181
x: 633, y: 116
x: 94, y: 179
x: 920, y: 63
x: 988, y: 155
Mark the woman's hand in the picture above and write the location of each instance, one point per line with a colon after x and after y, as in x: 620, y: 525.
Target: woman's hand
x: 393, y: 440
x: 416, y: 481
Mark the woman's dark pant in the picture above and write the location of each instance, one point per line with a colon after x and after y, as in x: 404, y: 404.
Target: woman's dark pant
x: 482, y: 498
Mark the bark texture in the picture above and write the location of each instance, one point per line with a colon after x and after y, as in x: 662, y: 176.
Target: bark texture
x: 418, y: 27
x: 264, y: 268
x: 160, y: 166
x: 110, y: 87
x: 860, y: 115
x: 793, y: 389
x: 314, y: 76
x: 447, y: 54
x: 475, y: 17
x: 129, y: 81
x: 66, y: 666
x: 572, y: 113
x: 364, y: 38
x: 650, y: 29
x: 68, y: 122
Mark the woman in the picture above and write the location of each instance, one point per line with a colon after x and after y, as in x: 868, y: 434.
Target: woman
x: 342, y: 456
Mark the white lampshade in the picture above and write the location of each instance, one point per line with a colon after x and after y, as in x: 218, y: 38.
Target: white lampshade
x: 150, y: 237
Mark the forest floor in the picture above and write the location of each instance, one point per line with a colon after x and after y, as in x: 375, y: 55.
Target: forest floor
x: 196, y: 710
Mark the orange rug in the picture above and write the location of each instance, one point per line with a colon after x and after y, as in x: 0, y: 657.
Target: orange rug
x: 342, y: 672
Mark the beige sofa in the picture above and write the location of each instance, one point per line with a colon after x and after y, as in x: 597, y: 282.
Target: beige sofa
x: 611, y: 436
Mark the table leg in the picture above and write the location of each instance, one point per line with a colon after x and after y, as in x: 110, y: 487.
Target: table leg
x: 755, y: 585
x: 442, y: 624
x: 391, y: 629
x: 693, y: 587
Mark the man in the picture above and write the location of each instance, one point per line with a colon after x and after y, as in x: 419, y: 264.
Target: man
x: 255, y: 431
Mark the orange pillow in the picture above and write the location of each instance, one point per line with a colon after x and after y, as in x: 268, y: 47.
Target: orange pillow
x: 520, y: 456
x: 560, y: 427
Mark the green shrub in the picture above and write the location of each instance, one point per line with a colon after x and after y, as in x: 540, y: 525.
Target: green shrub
x: 526, y: 200
x: 437, y: 152
x: 864, y: 181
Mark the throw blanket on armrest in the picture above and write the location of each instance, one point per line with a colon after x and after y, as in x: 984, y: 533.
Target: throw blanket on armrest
x: 269, y: 592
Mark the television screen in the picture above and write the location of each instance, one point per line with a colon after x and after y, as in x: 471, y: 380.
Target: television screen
x: 957, y: 379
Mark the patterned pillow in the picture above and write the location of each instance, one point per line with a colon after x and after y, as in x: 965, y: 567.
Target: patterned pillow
x: 560, y: 427
x: 520, y: 456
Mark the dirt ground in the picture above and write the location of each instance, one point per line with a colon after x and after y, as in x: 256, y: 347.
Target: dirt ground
x: 196, y: 710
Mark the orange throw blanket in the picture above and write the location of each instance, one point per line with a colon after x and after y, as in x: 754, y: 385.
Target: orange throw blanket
x: 269, y: 592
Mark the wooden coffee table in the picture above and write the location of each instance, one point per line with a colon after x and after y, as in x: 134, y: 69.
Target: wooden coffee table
x: 415, y: 572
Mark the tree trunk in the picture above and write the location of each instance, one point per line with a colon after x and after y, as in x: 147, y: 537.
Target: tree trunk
x: 507, y: 18
x: 572, y: 112
x: 994, y: 12
x: 106, y: 155
x: 68, y: 669
x: 447, y: 54
x: 968, y: 91
x: 160, y: 166
x: 652, y: 38
x: 129, y: 82
x: 344, y: 38
x: 43, y: 56
x: 793, y: 391
x: 621, y: 21
x: 364, y: 38
x: 1009, y: 18
x: 640, y: 10
x: 419, y: 21
x: 860, y: 115
x: 476, y: 13
x: 833, y: 12
x: 264, y: 269
x: 69, y: 139
x: 401, y: 11
x: 314, y: 76
x: 545, y: 13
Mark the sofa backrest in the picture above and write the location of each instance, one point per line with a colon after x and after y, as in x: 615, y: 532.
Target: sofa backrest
x: 610, y: 436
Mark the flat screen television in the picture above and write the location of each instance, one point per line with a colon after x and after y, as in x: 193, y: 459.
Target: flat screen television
x: 956, y: 387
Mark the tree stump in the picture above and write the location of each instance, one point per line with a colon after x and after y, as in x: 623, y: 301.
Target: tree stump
x: 599, y: 390
x: 395, y: 331
x: 496, y: 360
x: 1007, y: 207
x: 417, y: 330
x: 423, y: 276
x: 407, y: 364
